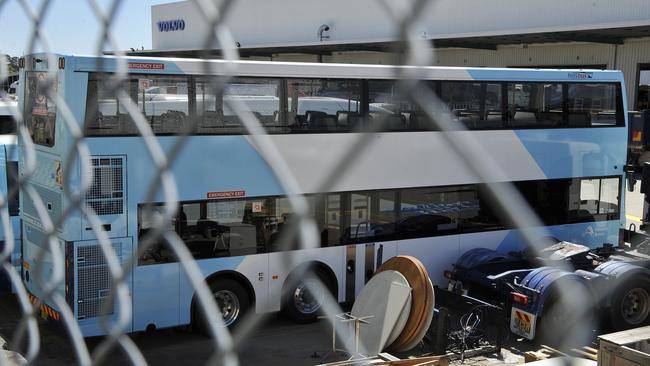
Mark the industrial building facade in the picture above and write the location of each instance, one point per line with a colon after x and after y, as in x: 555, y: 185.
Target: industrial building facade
x: 604, y: 34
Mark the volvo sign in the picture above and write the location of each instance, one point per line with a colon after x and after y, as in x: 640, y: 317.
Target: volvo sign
x: 171, y: 25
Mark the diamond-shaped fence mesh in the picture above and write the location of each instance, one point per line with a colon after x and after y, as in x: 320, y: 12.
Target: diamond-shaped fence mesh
x: 105, y: 265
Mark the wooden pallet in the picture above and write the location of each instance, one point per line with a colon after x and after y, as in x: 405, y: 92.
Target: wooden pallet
x: 548, y: 352
x: 544, y: 353
x: 586, y: 352
x: 385, y: 359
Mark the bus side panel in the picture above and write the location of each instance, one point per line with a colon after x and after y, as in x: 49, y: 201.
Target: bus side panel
x: 39, y: 262
x: 577, y: 152
x: 436, y: 253
x: 156, y: 295
x: 591, y: 234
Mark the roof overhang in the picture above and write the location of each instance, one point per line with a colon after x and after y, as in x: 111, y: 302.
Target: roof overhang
x: 487, y: 42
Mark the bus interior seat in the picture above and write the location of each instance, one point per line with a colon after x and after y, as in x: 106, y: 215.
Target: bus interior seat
x: 316, y: 120
x: 389, y: 122
x: 330, y: 235
x: 548, y: 118
x: 238, y: 239
x: 579, y: 119
x: 211, y: 119
x: 207, y: 228
x: 171, y: 121
x: 355, y: 122
x: 415, y: 121
x: 343, y: 118
x: 125, y: 125
x: 523, y: 119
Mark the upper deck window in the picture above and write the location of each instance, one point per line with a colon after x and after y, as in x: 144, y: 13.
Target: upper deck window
x: 40, y: 110
x: 215, y: 110
x: 535, y: 105
x: 323, y: 105
x: 202, y: 105
x: 592, y: 104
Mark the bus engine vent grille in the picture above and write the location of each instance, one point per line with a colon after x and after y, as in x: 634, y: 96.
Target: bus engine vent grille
x: 94, y: 281
x: 106, y: 194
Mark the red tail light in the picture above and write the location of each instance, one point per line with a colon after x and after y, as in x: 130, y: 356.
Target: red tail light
x: 450, y: 275
x: 520, y: 298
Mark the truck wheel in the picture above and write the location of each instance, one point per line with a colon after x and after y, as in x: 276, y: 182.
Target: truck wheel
x: 565, y: 323
x: 231, y: 298
x: 551, y: 323
x: 631, y: 305
x: 302, y: 298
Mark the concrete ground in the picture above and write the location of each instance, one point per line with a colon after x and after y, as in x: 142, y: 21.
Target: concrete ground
x: 277, y: 342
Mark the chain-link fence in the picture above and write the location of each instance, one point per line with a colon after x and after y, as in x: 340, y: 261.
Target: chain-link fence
x: 505, y: 198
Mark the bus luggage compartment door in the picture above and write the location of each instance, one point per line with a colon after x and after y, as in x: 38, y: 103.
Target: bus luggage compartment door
x: 93, y: 283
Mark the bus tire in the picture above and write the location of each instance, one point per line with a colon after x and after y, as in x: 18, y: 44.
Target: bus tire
x: 233, y: 301
x: 631, y: 303
x: 299, y: 304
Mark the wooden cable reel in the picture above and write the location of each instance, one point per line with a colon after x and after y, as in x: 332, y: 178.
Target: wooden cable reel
x: 422, y: 302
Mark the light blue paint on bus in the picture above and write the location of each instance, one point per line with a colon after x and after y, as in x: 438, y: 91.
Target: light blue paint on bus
x: 516, y: 74
x: 593, y: 151
x: 228, y: 163
x: 591, y: 234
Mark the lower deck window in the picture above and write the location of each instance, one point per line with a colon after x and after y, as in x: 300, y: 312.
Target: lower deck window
x: 222, y: 228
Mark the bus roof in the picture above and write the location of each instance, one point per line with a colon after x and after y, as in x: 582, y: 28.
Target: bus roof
x: 184, y: 66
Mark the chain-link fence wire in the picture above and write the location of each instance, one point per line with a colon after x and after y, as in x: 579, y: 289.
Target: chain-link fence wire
x: 417, y: 52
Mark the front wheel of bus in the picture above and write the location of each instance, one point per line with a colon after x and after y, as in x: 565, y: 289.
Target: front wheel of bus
x: 231, y: 298
x: 303, y: 298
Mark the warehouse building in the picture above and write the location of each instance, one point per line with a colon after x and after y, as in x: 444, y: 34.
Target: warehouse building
x: 603, y: 34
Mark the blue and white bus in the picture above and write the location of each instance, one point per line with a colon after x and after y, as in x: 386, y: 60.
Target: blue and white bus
x: 558, y: 135
x: 8, y: 175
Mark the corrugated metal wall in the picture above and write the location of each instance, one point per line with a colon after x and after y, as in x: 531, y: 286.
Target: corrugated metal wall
x: 529, y: 55
x: 628, y: 58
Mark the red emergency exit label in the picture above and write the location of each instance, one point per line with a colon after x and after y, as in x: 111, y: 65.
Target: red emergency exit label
x: 227, y: 194
x: 147, y: 65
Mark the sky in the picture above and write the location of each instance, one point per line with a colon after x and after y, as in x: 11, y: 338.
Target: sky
x: 71, y: 27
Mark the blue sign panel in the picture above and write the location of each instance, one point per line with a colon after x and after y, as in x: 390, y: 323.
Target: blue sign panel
x: 581, y: 75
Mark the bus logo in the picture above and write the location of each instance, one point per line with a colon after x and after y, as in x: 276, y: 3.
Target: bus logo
x: 581, y: 75
x: 227, y: 194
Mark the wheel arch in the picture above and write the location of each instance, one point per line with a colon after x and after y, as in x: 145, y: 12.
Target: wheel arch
x: 316, y: 266
x: 550, y: 282
x: 220, y: 275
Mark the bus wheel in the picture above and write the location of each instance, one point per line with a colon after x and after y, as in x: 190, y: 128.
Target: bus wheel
x: 231, y: 298
x: 631, y: 306
x: 303, y: 297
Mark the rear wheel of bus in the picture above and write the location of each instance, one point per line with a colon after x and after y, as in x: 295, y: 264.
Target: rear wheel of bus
x: 233, y: 301
x: 304, y: 293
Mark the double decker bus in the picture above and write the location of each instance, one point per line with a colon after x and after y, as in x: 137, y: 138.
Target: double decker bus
x: 557, y: 135
x: 9, y: 191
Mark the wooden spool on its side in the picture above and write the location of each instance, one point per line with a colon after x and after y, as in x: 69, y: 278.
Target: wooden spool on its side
x: 421, y: 304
